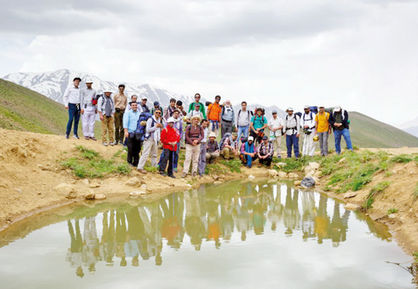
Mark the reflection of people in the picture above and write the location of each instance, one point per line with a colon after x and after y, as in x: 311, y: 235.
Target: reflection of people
x: 194, y: 225
x: 321, y: 220
x: 75, y: 253
x: 291, y: 216
x: 91, y: 251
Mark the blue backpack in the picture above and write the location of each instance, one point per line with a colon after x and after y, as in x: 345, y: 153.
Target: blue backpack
x: 314, y: 109
x: 141, y: 129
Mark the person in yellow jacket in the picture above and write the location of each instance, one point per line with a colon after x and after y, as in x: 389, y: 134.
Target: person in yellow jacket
x: 322, y: 129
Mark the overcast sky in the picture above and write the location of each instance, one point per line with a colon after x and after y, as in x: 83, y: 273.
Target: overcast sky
x: 361, y: 54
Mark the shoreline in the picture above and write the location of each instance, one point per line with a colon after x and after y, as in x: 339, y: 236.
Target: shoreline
x: 32, y: 182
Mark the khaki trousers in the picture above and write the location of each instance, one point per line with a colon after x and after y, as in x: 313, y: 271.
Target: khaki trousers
x: 192, y: 156
x: 107, y: 128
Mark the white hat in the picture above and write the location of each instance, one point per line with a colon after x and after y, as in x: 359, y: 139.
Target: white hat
x: 306, y: 106
x: 289, y: 109
x: 88, y: 80
x: 251, y: 138
x: 195, y: 116
x: 144, y: 98
x: 171, y: 119
x: 107, y: 90
x: 337, y: 108
x: 212, y: 134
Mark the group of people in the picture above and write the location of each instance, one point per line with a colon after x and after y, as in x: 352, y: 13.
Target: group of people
x: 247, y: 134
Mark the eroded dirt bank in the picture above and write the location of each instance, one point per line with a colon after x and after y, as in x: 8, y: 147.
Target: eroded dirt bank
x: 32, y: 179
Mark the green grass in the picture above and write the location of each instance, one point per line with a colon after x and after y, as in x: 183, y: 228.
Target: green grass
x: 90, y: 164
x: 234, y: 165
x: 380, y: 187
x: 402, y: 159
x: 392, y: 211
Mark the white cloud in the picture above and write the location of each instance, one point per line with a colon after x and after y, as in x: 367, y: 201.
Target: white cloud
x: 360, y: 54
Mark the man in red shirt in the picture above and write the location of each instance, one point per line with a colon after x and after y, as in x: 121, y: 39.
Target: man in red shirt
x: 169, y: 137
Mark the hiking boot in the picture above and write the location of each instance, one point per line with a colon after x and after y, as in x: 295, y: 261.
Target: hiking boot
x: 76, y: 136
x: 86, y: 137
x: 194, y: 175
x: 113, y: 143
x: 93, y: 138
x: 172, y: 176
x: 105, y: 144
x: 142, y: 171
x: 163, y: 173
x: 121, y: 142
x: 183, y: 175
x: 67, y: 136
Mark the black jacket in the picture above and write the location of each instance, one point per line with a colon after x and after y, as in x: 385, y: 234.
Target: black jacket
x: 344, y: 117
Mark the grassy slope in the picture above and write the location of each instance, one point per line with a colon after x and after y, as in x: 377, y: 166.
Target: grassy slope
x: 24, y: 109
x: 368, y: 132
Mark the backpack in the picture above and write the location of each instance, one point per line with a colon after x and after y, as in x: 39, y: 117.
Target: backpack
x: 310, y: 116
x: 248, y: 112
x: 95, y: 99
x: 140, y: 128
x: 314, y: 109
x: 104, y: 102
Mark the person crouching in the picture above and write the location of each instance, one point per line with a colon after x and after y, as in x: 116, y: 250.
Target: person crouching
x: 169, y: 137
x: 265, y: 152
x: 248, y: 153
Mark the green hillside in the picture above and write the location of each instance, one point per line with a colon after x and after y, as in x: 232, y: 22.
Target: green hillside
x: 24, y: 109
x: 368, y: 132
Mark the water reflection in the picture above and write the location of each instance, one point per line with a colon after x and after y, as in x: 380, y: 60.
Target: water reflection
x: 129, y: 234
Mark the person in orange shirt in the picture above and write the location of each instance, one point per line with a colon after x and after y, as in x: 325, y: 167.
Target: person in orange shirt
x: 214, y: 114
x: 322, y: 129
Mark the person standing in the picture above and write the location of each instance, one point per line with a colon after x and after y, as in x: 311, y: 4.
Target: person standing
x: 130, y: 121
x: 88, y: 110
x: 179, y: 105
x: 227, y: 118
x: 292, y: 129
x: 308, y: 124
x: 106, y: 110
x: 276, y: 128
x: 265, y: 152
x: 214, y: 114
x: 170, y: 109
x: 134, y: 98
x: 72, y: 99
x: 203, y: 146
x: 257, y: 125
x: 339, y: 122
x: 152, y: 137
x: 120, y: 100
x: 169, y: 138
x: 156, y: 106
x: 143, y: 105
x: 201, y: 106
x: 322, y: 129
x: 178, y: 125
x: 195, y: 112
x: 243, y: 120
x: 194, y: 135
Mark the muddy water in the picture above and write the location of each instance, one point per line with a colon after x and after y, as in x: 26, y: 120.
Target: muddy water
x: 237, y: 235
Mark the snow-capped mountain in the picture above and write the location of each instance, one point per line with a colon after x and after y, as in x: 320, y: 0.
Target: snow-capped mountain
x: 53, y: 84
x: 410, y: 127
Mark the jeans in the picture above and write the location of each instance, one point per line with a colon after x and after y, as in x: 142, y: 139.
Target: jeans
x: 337, y: 136
x: 73, y: 115
x: 266, y: 161
x: 119, y: 131
x: 292, y: 140
x: 214, y: 125
x: 176, y: 156
x: 168, y: 158
x: 243, y: 131
x: 202, y: 159
x: 248, y: 160
x: 226, y: 126
x: 323, y: 142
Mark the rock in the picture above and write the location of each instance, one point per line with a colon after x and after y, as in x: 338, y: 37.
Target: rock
x: 99, y: 196
x: 273, y: 173
x: 280, y: 165
x: 18, y: 190
x: 63, y: 189
x: 217, y: 183
x: 143, y: 187
x: 43, y: 168
x: 341, y: 160
x: 392, y: 216
x: 133, y: 182
x: 308, y: 182
x: 377, y: 216
x: 349, y: 194
x: 136, y: 194
x: 297, y: 183
x: 85, y: 181
x: 282, y: 175
x: 188, y: 185
x: 251, y: 177
x: 314, y: 165
x: 71, y: 195
x: 94, y: 185
x: 293, y: 176
x: 89, y: 196
x: 351, y: 207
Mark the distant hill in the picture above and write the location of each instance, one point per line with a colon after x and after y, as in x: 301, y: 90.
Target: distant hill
x: 27, y: 110
x: 369, y: 132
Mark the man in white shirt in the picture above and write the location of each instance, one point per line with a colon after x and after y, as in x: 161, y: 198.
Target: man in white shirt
x: 308, y: 125
x: 275, y: 126
x: 88, y: 110
x: 292, y: 129
x: 72, y: 97
x: 243, y: 120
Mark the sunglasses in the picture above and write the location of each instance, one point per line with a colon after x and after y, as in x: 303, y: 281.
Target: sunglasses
x: 157, y: 112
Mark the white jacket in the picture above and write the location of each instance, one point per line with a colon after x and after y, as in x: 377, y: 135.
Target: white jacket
x: 86, y: 97
x: 72, y: 95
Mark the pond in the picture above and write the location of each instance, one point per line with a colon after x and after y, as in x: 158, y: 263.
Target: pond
x: 235, y: 235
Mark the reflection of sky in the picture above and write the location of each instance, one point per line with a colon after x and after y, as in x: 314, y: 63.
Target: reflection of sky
x: 262, y: 261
